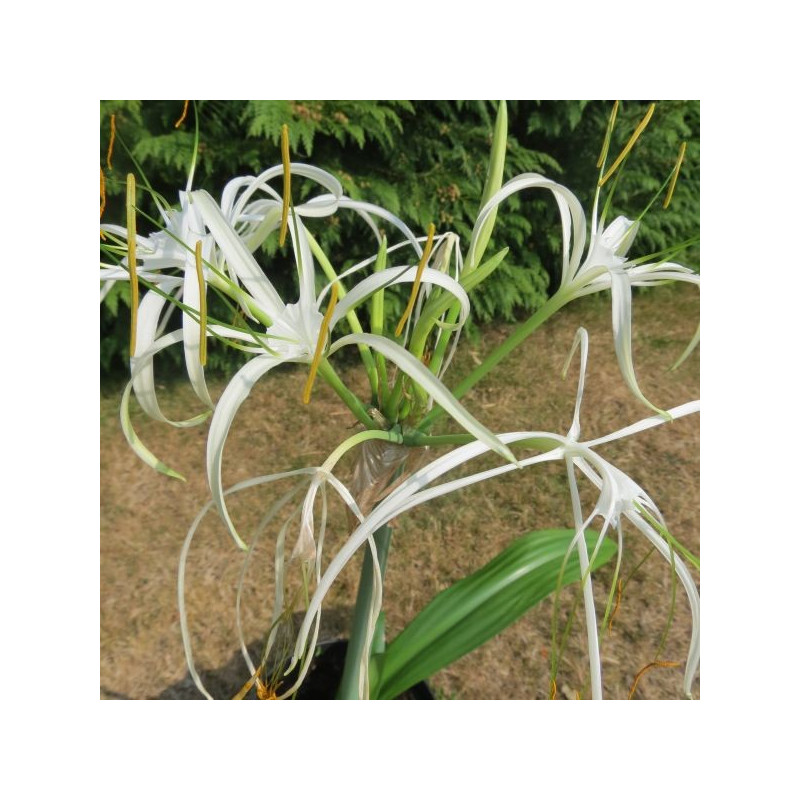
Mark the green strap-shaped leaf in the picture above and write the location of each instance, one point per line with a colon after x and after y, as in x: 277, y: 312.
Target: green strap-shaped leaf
x: 480, y: 606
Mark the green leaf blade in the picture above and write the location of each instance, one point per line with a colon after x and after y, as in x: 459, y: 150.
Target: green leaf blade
x: 478, y: 607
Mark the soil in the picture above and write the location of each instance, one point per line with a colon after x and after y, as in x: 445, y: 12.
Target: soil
x: 145, y: 517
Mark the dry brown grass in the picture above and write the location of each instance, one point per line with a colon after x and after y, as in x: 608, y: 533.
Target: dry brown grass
x: 144, y: 516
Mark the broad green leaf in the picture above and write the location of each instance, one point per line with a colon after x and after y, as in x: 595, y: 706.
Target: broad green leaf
x: 478, y: 607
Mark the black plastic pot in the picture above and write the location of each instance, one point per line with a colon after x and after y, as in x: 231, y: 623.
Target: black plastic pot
x: 320, y: 683
x: 325, y: 673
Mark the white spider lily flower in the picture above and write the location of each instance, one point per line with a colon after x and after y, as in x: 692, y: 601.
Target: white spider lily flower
x: 161, y: 254
x: 608, y: 247
x: 297, y: 328
x: 142, y: 381
x: 172, y: 249
x: 619, y: 498
x: 254, y: 216
x: 605, y: 265
x: 293, y: 332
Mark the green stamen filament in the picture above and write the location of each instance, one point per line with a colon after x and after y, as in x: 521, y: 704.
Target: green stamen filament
x: 323, y: 332
x: 130, y: 208
x: 198, y: 260
x: 183, y: 114
x: 287, y: 183
x: 426, y: 254
x: 631, y: 142
x: 677, y: 169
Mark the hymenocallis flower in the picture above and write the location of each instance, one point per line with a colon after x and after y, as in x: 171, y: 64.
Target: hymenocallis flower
x: 604, y: 263
x: 298, y: 331
x: 166, y: 259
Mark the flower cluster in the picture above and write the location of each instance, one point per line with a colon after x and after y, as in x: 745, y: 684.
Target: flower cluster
x: 205, y: 245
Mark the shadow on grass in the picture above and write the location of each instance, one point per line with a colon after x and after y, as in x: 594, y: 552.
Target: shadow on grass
x: 321, y: 682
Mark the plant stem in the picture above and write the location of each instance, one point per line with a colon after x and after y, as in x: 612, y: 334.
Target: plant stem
x: 352, y: 319
x: 351, y: 401
x: 520, y: 333
x: 416, y: 439
x: 348, y: 689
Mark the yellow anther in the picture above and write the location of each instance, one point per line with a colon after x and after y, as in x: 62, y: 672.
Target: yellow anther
x: 130, y: 208
x: 102, y: 193
x: 287, y: 183
x: 552, y: 690
x: 631, y: 142
x: 674, y: 180
x: 649, y: 667
x: 198, y: 260
x: 183, y: 114
x: 607, y: 141
x: 323, y: 334
x: 111, y: 140
x: 415, y: 289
